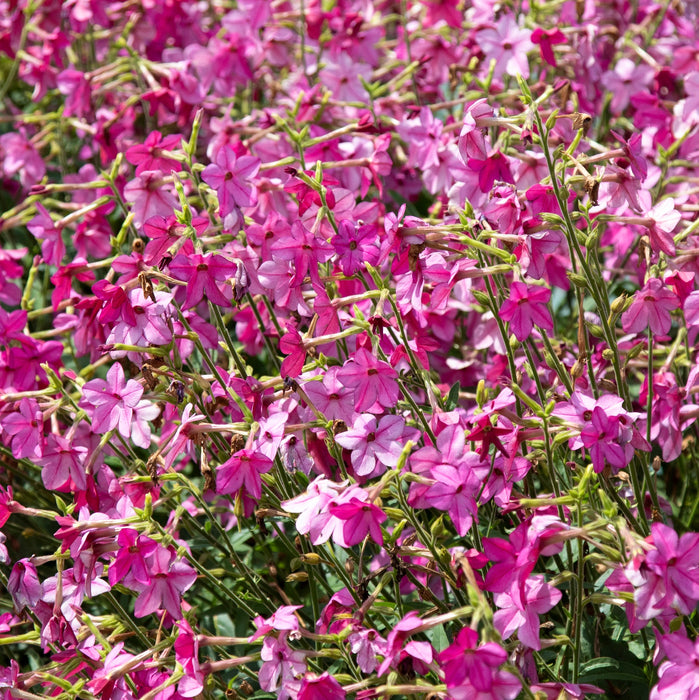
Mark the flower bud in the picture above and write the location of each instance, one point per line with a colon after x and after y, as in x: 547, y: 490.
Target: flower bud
x: 619, y: 305
x: 298, y: 577
x: 481, y: 393
x: 312, y: 559
x: 578, y: 280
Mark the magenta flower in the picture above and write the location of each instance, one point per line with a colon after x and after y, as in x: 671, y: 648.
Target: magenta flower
x: 651, y: 308
x: 546, y: 39
x: 527, y: 307
x: 600, y: 436
x: 132, y: 558
x: 455, y: 490
x: 242, y: 470
x: 149, y: 155
x: 473, y: 671
x: 292, y: 345
x: 204, y: 275
x: 361, y: 519
x: 323, y: 687
x: 169, y: 579
x: 229, y: 175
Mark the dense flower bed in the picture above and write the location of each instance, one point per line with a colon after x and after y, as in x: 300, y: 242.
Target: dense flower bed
x: 348, y: 349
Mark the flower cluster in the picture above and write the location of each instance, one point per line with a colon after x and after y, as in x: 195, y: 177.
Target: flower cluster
x: 348, y: 349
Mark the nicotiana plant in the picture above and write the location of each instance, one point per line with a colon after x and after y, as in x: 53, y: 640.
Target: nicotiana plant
x: 348, y: 349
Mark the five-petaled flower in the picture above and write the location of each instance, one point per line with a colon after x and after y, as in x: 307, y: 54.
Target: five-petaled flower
x: 525, y: 308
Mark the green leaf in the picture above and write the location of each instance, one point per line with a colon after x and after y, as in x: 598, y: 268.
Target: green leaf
x: 452, y: 400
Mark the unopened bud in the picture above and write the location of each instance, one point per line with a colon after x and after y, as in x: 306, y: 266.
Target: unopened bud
x: 619, y: 305
x: 312, y: 559
x: 593, y: 239
x: 608, y: 354
x: 635, y: 351
x: 298, y: 577
x: 578, y: 280
x: 550, y: 218
x: 481, y: 393
x: 481, y: 297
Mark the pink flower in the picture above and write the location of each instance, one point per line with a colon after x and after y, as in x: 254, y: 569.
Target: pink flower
x: 63, y: 464
x: 663, y: 220
x: 520, y: 613
x: 677, y: 675
x: 169, y: 578
x: 624, y: 80
x: 361, y: 519
x: 149, y: 155
x: 26, y: 426
x: 150, y: 196
x: 651, y: 308
x: 23, y: 584
x: 204, y: 275
x: 323, y: 687
x: 507, y: 44
x: 187, y: 655
x: 18, y: 155
x: 43, y: 227
x: 367, y: 645
x: 374, y: 382
x: 473, y: 671
x: 116, y: 403
x: 546, y: 38
x: 242, y: 470
x: 375, y: 445
x: 229, y: 175
x: 526, y: 307
x: 355, y: 245
x: 455, y: 490
x: 341, y: 76
x: 281, y: 665
x: 669, y: 575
